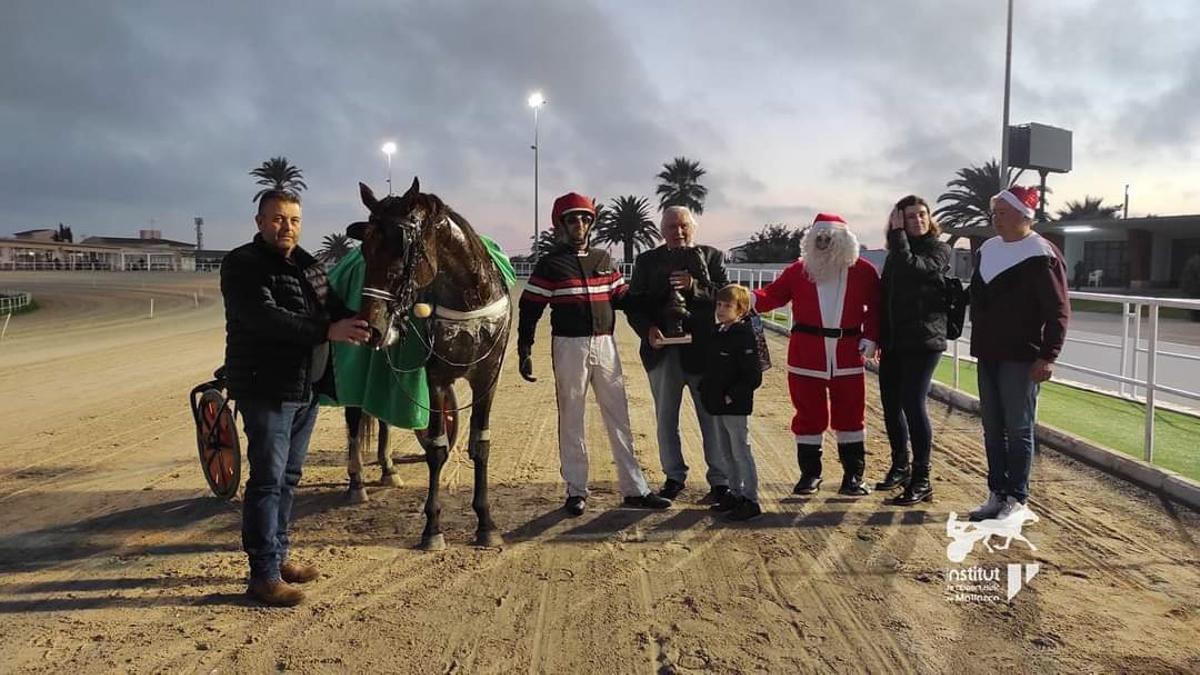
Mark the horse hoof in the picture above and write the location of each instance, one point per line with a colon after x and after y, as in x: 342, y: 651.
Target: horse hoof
x: 490, y: 539
x: 357, y: 496
x: 433, y: 542
x: 390, y: 480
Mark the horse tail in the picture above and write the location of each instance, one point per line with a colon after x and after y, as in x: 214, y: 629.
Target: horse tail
x: 366, y: 431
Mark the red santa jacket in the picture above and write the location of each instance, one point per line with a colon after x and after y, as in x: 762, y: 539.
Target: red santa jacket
x: 850, y: 301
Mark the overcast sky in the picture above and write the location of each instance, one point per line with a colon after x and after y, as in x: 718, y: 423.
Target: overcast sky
x: 115, y: 115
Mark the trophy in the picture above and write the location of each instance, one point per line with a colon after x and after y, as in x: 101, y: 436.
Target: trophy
x: 674, y: 311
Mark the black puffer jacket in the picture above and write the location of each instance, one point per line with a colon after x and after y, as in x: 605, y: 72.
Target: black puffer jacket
x: 277, y: 316
x: 733, y: 370
x: 913, y: 311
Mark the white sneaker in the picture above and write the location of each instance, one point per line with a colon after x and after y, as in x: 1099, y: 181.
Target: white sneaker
x: 988, y: 509
x: 1012, y: 510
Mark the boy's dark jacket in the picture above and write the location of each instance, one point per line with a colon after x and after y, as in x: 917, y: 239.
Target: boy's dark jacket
x: 732, y: 370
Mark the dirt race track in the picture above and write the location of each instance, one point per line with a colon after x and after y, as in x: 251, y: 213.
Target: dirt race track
x: 113, y: 558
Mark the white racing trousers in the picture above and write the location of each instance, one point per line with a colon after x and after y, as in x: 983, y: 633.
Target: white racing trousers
x: 578, y: 362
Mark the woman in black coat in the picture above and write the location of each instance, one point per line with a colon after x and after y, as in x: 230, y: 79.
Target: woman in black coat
x: 912, y: 339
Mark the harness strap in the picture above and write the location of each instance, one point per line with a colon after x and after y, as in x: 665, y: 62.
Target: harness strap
x: 495, y: 309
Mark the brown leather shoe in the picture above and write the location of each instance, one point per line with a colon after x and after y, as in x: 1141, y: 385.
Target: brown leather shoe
x: 275, y: 593
x: 294, y: 573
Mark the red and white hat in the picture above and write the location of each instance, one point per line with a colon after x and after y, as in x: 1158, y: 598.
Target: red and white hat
x: 572, y: 201
x: 829, y: 221
x: 1023, y: 199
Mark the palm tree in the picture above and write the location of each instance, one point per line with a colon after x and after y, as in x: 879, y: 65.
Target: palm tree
x: 334, y: 247
x: 679, y: 185
x: 546, y: 242
x: 627, y: 221
x: 278, y: 174
x: 968, y: 203
x: 1091, y: 208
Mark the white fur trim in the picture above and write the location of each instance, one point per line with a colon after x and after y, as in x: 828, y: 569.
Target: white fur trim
x: 810, y: 439
x: 852, y: 436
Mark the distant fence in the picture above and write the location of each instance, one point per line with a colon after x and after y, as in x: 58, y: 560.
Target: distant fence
x: 11, y: 301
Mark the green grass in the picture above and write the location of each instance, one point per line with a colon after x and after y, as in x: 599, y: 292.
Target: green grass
x: 1109, y: 421
x: 1079, y: 305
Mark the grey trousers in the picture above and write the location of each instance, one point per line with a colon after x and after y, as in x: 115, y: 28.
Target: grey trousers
x: 733, y: 439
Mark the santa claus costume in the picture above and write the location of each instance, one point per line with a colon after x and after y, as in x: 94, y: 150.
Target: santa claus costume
x: 835, y: 299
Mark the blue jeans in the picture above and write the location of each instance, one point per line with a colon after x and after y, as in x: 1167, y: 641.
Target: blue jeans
x: 1008, y: 406
x: 904, y: 380
x: 733, y: 435
x: 667, y: 381
x: 277, y: 442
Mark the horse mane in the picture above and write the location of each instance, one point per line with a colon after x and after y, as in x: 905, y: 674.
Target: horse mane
x: 440, y: 208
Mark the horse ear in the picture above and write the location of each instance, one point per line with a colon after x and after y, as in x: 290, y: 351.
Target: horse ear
x: 356, y: 230
x: 368, y: 197
x: 414, y: 189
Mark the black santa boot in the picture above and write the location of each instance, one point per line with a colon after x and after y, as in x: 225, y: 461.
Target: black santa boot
x: 854, y: 463
x: 809, y: 457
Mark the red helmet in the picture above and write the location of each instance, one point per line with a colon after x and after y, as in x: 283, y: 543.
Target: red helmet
x: 572, y: 201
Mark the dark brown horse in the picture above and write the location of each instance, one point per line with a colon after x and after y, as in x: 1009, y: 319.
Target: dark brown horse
x: 416, y: 249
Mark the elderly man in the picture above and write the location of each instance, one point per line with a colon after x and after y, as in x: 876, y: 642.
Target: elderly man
x: 835, y: 307
x: 696, y: 273
x: 581, y: 286
x: 1019, y: 315
x: 279, y: 320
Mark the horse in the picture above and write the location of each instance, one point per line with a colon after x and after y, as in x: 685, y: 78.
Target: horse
x: 416, y: 248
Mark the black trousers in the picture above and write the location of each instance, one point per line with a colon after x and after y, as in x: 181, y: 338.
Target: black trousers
x: 904, y: 380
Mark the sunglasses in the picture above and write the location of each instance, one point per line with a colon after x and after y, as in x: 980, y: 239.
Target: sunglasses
x: 578, y: 218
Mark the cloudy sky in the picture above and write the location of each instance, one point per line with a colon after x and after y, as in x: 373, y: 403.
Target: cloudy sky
x: 118, y: 114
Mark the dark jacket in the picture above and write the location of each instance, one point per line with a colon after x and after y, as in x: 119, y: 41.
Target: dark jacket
x: 581, y: 291
x: 732, y: 370
x: 277, y: 316
x: 912, y: 316
x: 650, y: 289
x: 1021, y: 314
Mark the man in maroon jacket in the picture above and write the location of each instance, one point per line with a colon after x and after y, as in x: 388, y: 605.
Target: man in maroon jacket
x: 1019, y: 314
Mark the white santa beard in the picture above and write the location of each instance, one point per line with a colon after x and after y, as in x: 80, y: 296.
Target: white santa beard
x: 828, y: 264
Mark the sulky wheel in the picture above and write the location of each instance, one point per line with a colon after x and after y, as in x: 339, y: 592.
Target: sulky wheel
x: 449, y: 413
x: 217, y: 438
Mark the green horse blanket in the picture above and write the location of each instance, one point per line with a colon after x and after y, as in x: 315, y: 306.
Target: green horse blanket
x: 388, y: 384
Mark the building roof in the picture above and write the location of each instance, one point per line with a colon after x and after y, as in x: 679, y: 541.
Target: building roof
x: 1185, y: 225
x: 137, y: 242
x: 34, y: 243
x: 40, y: 229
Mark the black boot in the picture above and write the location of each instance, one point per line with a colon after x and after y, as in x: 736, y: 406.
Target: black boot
x: 918, y: 489
x: 897, y: 476
x: 854, y: 462
x: 809, y: 457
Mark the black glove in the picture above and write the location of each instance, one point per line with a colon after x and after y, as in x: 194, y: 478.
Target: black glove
x: 525, y: 364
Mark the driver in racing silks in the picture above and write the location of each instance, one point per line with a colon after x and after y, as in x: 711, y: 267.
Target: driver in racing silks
x: 582, y: 287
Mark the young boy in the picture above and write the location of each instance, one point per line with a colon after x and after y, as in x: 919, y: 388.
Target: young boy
x: 727, y: 392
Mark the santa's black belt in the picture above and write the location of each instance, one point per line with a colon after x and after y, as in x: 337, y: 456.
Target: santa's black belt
x: 854, y: 331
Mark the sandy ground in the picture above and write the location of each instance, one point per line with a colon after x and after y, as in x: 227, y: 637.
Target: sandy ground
x: 113, y: 558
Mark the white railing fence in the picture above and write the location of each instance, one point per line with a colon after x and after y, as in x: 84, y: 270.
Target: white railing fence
x: 11, y: 301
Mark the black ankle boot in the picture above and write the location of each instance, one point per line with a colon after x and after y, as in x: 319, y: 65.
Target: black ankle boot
x: 809, y: 458
x: 853, y: 457
x: 918, y: 489
x: 897, y: 476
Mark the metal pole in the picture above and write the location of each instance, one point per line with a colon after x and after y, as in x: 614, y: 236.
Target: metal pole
x: 151, y: 308
x: 535, y: 182
x: 1125, y: 211
x: 1137, y: 341
x: 1124, y: 344
x: 956, y: 362
x: 389, y: 156
x: 1007, y: 76
x: 1151, y: 357
x: 4, y: 331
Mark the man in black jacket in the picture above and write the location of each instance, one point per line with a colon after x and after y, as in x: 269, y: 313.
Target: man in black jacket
x: 696, y: 272
x: 279, y: 319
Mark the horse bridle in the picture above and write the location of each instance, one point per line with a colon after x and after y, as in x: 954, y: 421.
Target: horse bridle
x: 404, y: 294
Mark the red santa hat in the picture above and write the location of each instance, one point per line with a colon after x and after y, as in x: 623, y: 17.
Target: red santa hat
x: 829, y: 221
x: 1023, y: 199
x: 572, y: 201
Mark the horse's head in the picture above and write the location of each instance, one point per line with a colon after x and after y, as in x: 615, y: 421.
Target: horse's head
x: 398, y: 251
